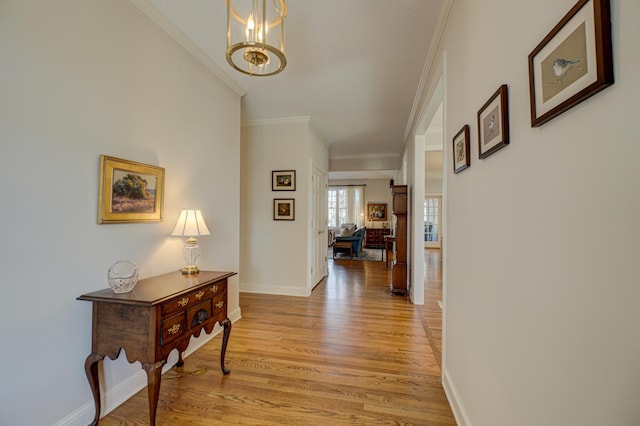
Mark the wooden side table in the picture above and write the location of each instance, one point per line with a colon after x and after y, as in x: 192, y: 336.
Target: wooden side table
x: 159, y: 315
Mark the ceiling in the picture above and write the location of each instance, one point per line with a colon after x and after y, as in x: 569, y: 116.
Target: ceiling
x: 354, y: 66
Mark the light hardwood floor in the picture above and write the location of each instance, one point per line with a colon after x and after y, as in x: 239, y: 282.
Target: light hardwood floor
x: 351, y: 354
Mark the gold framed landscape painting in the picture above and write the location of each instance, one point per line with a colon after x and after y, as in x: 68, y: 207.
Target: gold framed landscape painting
x: 129, y: 191
x: 572, y: 63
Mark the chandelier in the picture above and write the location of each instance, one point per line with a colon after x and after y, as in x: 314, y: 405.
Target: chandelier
x: 255, y: 36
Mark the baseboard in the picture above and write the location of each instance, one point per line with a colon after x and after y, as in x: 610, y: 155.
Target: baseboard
x: 462, y: 419
x: 119, y: 394
x: 275, y: 290
x: 111, y: 399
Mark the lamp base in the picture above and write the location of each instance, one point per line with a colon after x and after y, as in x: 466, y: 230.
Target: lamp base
x: 190, y: 270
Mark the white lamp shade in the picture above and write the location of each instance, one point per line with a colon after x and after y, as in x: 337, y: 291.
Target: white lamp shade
x: 190, y: 224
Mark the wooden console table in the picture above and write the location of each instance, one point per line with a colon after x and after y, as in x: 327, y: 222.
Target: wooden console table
x: 375, y: 239
x: 159, y: 315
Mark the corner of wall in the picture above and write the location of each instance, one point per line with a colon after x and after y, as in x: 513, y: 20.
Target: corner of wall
x: 455, y: 402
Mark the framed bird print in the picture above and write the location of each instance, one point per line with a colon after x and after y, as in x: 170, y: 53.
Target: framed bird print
x: 493, y: 123
x: 461, y: 150
x: 572, y: 63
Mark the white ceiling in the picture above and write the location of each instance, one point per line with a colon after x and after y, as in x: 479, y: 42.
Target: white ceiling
x: 354, y: 66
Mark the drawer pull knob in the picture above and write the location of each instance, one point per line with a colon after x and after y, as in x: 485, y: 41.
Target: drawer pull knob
x: 174, y: 329
x: 183, y: 302
x: 214, y: 288
x: 199, y: 295
x: 220, y: 304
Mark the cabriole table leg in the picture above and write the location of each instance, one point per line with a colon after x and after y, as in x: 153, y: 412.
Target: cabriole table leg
x: 154, y: 376
x: 91, y: 369
x: 225, y: 340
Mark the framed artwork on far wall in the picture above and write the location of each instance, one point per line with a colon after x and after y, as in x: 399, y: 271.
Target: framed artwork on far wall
x: 461, y: 150
x: 572, y: 63
x: 377, y: 212
x: 284, y: 209
x: 283, y: 180
x: 129, y: 191
x: 493, y: 123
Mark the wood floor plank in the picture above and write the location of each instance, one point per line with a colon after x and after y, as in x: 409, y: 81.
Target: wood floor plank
x: 351, y: 354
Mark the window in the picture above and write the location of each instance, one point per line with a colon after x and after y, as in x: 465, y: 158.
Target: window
x: 431, y: 218
x: 345, y: 204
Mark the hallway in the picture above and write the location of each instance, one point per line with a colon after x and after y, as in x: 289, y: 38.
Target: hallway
x: 351, y: 353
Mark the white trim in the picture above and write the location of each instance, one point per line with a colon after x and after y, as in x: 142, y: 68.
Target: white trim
x: 418, y: 103
x: 279, y: 290
x: 318, y: 132
x: 459, y: 412
x: 183, y: 40
x: 361, y: 156
x: 303, y: 119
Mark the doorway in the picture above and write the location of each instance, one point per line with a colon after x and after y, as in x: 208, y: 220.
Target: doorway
x: 318, y: 226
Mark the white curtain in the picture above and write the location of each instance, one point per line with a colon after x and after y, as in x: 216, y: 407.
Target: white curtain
x: 346, y: 205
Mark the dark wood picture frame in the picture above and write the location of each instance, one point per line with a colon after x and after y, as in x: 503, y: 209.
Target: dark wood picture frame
x: 283, y: 180
x: 129, y: 192
x: 284, y: 209
x: 572, y: 63
x: 462, y: 149
x: 493, y: 123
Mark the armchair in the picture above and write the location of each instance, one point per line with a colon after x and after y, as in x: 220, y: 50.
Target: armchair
x: 356, y: 240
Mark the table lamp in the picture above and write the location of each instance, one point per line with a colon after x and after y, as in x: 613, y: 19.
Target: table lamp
x: 190, y: 224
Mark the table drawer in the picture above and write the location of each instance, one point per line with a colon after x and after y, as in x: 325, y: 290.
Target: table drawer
x: 173, y: 328
x: 199, y: 314
x: 217, y: 288
x: 219, y: 307
x: 183, y: 303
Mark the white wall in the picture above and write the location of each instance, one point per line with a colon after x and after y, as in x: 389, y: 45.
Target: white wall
x: 79, y: 79
x: 275, y: 254
x: 542, y: 245
x: 433, y: 186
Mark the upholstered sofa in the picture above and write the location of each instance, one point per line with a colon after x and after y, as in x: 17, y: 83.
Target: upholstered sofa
x: 356, y: 239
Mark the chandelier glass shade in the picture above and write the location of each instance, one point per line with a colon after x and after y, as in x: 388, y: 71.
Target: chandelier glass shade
x: 255, y: 36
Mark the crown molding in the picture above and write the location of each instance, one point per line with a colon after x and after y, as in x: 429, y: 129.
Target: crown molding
x: 368, y: 156
x: 304, y: 119
x: 153, y: 13
x: 418, y: 101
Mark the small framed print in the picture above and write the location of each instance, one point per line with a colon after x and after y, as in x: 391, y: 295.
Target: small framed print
x: 461, y: 150
x: 572, y: 63
x: 493, y: 123
x: 284, y: 209
x: 283, y: 180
